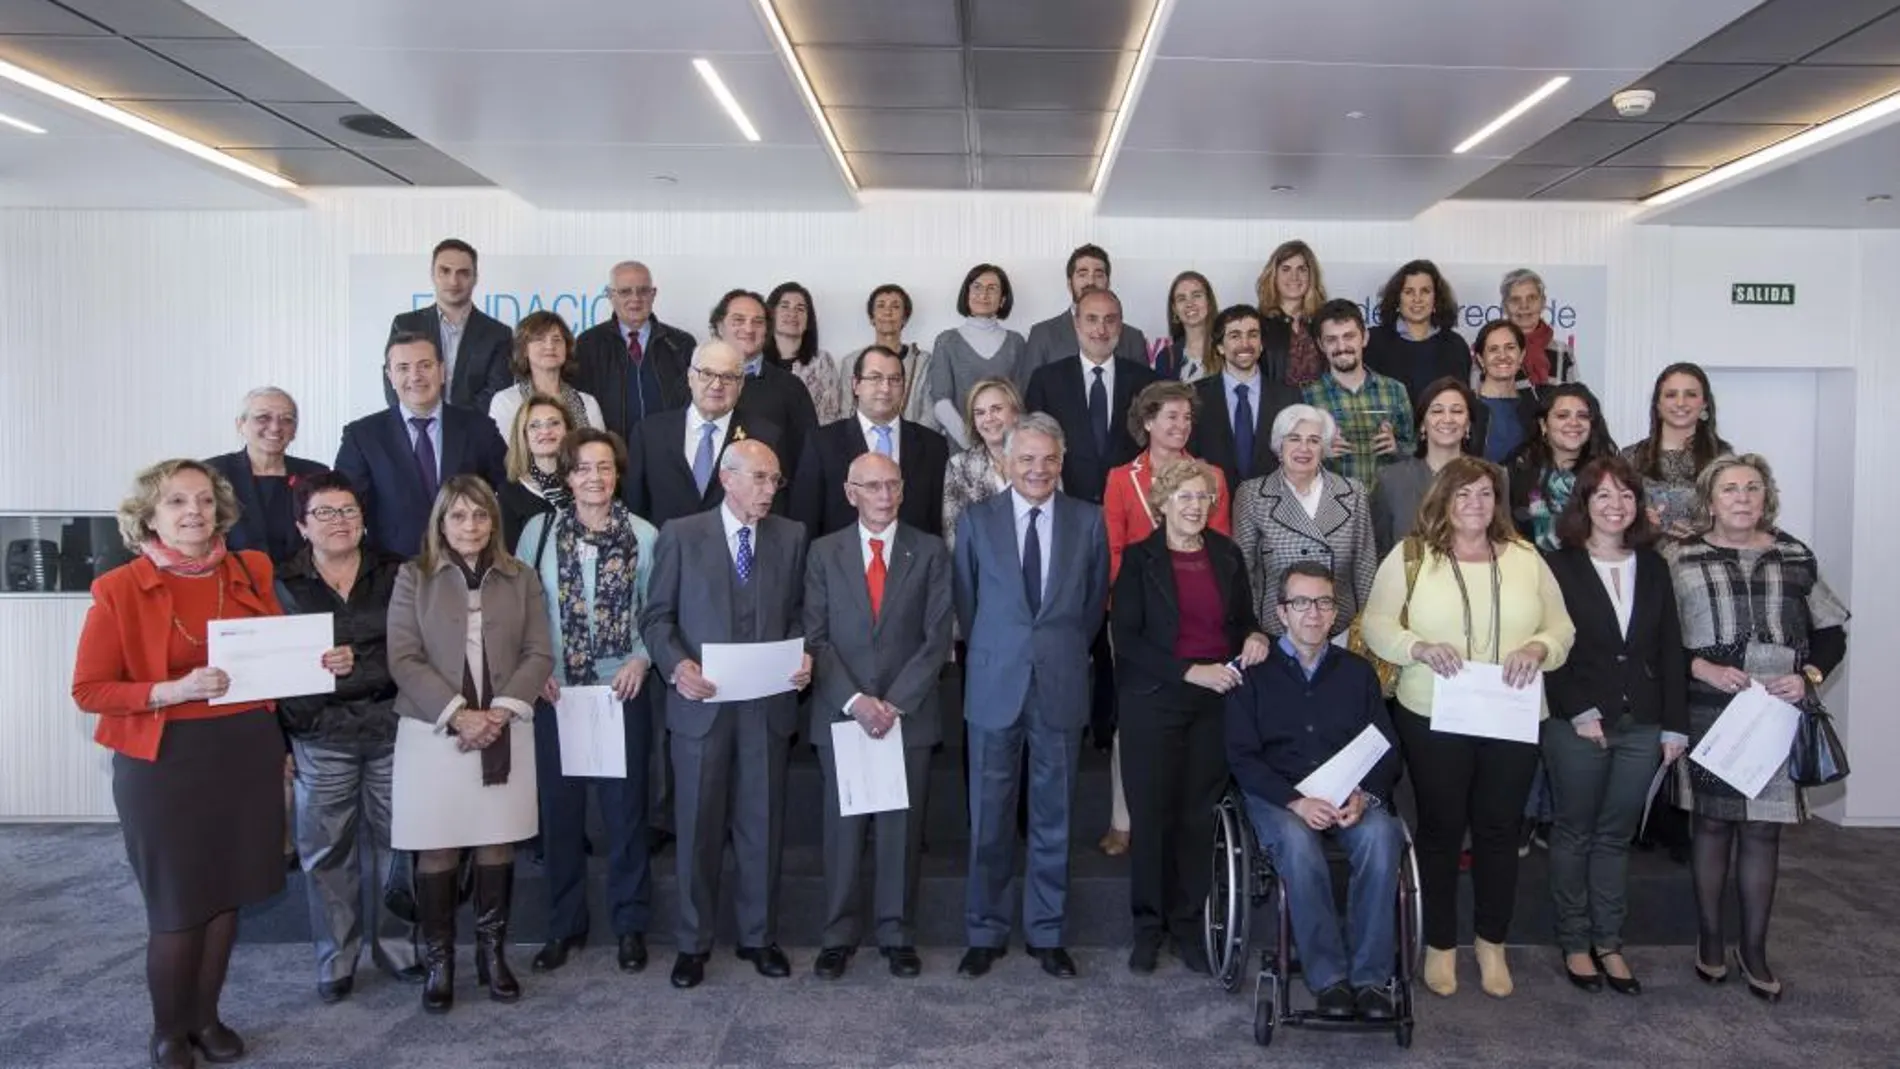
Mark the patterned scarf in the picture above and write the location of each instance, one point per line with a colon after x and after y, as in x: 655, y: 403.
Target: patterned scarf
x: 167, y: 559
x: 608, y: 631
x: 1536, y: 357
x: 1547, y: 501
x: 552, y: 487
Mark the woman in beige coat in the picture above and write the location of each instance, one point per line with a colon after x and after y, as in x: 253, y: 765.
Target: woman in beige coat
x: 469, y: 651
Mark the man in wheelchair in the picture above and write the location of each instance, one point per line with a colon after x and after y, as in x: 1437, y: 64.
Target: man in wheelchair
x: 1290, y: 714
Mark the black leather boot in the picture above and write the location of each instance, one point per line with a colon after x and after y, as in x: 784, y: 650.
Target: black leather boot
x: 436, y: 902
x: 494, y: 894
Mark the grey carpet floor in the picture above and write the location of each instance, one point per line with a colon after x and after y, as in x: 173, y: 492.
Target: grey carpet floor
x: 71, y: 994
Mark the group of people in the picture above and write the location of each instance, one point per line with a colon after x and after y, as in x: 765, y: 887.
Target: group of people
x: 1221, y: 556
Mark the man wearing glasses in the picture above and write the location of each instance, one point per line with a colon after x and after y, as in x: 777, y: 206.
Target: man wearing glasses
x: 632, y: 363
x: 1291, y: 713
x: 819, y: 496
x: 675, y: 454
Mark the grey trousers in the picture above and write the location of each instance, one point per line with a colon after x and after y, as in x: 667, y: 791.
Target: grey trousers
x: 900, y: 835
x: 729, y: 784
x: 337, y: 788
x: 1597, y: 795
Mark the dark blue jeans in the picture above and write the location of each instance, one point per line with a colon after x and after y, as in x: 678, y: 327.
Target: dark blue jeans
x: 623, y: 812
x: 1373, y: 848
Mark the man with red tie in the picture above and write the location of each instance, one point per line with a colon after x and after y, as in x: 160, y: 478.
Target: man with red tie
x: 633, y: 364
x: 878, y: 609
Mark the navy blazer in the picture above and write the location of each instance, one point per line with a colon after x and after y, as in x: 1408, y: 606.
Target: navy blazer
x: 252, y: 530
x: 379, y: 461
x: 1213, y: 436
x: 660, y: 485
x: 817, y: 496
x: 1282, y: 726
x: 1057, y: 389
x: 482, y: 358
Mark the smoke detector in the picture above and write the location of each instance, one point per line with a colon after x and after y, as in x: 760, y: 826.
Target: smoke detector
x: 1633, y: 103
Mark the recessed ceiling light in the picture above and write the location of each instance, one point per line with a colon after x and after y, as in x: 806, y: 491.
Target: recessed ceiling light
x: 375, y: 126
x: 1124, y: 108
x: 21, y: 124
x: 725, y: 98
x: 666, y: 179
x: 1279, y: 189
x: 1512, y: 113
x: 1808, y: 138
x: 769, y: 12
x: 1879, y: 198
x: 1355, y: 115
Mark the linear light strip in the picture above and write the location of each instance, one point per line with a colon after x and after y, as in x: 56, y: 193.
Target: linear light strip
x: 20, y: 124
x: 1512, y: 113
x: 770, y: 12
x: 75, y: 98
x: 1124, y: 109
x: 1806, y: 139
x: 725, y: 98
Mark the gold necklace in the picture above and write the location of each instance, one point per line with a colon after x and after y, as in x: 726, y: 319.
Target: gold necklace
x: 216, y: 615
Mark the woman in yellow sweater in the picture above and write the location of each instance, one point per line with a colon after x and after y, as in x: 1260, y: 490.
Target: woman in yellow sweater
x: 1480, y: 593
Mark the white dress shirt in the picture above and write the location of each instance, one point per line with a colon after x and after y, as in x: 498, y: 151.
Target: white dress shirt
x: 1310, y: 499
x: 733, y: 527
x: 693, y: 422
x: 870, y: 434
x: 1045, y: 530
x: 1619, y: 581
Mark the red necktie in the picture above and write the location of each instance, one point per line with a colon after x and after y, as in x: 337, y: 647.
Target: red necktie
x: 874, y: 576
x: 634, y: 352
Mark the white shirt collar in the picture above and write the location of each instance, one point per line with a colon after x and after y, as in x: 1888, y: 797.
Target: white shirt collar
x: 733, y: 524
x: 888, y: 536
x: 410, y: 413
x: 870, y: 432
x: 1021, y: 505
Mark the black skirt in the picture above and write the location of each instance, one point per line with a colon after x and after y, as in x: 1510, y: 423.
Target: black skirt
x: 204, y: 824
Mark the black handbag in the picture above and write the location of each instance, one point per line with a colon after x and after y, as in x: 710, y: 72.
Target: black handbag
x: 1817, y: 757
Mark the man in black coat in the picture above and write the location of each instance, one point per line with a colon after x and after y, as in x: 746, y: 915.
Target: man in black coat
x: 1089, y: 394
x: 475, y: 349
x: 772, y: 393
x: 633, y: 364
x: 1233, y: 428
x: 673, y: 467
x: 818, y: 492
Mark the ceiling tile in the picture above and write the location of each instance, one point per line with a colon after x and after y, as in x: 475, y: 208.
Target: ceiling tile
x: 1619, y: 183
x: 878, y: 170
x: 424, y: 166
x: 40, y: 16
x: 318, y: 166
x: 1584, y: 142
x: 225, y: 123
x: 1109, y: 24
x: 1513, y: 181
x: 1782, y: 31
x: 1042, y: 133
x: 1804, y: 95
x: 1065, y: 81
x: 151, y: 18
x: 871, y: 22
x: 900, y: 130
x: 1698, y: 144
x: 248, y: 70
x: 1684, y: 88
x: 1068, y: 174
x: 885, y: 78
x: 108, y: 67
x: 1876, y: 44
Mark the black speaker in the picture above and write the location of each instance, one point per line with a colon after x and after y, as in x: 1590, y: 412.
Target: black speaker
x: 32, y: 565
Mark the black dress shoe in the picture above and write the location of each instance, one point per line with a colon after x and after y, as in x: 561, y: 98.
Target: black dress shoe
x: 553, y: 953
x: 832, y: 962
x: 977, y: 961
x: 1629, y: 985
x: 657, y: 840
x: 769, y: 960
x: 172, y: 1052
x: 689, y: 970
x: 1337, y: 1003
x: 1373, y: 1004
x: 904, y: 961
x: 1055, y: 961
x: 333, y: 991
x: 1146, y: 953
x: 632, y: 953
x: 1193, y: 954
x: 217, y: 1043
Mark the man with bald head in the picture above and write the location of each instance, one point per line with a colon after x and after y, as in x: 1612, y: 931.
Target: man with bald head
x: 878, y: 611
x: 675, y: 454
x: 733, y: 573
x: 632, y: 363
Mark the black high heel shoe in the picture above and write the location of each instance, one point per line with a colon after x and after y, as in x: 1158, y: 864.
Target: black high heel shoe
x: 1709, y: 974
x: 1766, y: 990
x: 1622, y: 986
x: 1591, y: 982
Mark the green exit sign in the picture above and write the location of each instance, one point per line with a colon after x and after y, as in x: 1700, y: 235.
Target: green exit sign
x: 1761, y: 293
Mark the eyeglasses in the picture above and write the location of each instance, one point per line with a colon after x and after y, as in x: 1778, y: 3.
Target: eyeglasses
x: 625, y: 292
x: 719, y: 378
x: 547, y: 425
x: 265, y: 419
x: 1304, y: 605
x: 879, y: 486
x: 985, y: 289
x: 1191, y: 497
x: 327, y: 514
x: 763, y: 479
x: 881, y: 380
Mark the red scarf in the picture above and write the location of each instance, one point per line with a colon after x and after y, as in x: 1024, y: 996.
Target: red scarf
x: 1536, y: 359
x: 167, y: 559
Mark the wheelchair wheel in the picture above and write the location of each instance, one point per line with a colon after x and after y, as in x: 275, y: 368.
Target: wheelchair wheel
x: 1228, y: 904
x: 1411, y: 928
x: 1265, y: 1010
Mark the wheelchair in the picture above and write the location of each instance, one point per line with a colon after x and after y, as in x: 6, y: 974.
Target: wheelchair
x: 1244, y: 881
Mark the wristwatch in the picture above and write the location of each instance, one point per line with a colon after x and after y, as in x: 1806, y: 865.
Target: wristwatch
x: 1814, y: 675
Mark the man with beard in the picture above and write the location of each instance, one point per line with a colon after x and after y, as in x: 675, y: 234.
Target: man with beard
x: 1373, y: 412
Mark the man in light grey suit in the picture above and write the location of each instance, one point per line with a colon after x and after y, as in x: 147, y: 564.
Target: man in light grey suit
x: 1031, y: 574
x: 1055, y: 338
x: 731, y: 574
x: 877, y: 622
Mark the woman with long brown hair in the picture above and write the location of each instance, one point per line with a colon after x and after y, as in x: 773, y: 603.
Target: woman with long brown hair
x: 1682, y: 441
x: 1187, y: 354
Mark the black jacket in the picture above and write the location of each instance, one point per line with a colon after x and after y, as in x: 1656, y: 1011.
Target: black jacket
x: 1418, y: 364
x: 817, y: 495
x: 518, y: 505
x: 660, y: 484
x: 601, y: 370
x: 1645, y: 674
x: 1056, y: 389
x: 1144, y: 615
x: 482, y: 357
x: 1281, y: 727
x: 778, y: 397
x: 254, y: 527
x: 362, y: 711
x: 1213, y: 437
x: 1528, y: 398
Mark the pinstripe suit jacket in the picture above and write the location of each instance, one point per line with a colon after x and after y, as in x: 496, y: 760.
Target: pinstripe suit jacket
x: 1273, y: 531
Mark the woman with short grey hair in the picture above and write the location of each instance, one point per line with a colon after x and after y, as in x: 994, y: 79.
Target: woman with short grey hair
x: 263, y: 474
x: 1547, y: 361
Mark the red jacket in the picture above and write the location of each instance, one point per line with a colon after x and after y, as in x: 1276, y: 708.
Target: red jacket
x: 122, y: 650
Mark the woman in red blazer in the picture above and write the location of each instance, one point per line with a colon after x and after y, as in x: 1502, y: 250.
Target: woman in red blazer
x: 198, y: 787
x: 1161, y: 420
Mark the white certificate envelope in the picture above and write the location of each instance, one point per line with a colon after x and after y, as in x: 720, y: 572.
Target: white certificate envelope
x: 1478, y: 702
x: 271, y: 656
x: 593, y: 733
x: 1342, y: 773
x: 744, y: 671
x: 1749, y: 742
x: 870, y: 771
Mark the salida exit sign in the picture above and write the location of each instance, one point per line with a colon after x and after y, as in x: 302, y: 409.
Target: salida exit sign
x: 1761, y: 293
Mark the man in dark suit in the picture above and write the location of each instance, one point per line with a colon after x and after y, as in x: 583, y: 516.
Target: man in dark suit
x: 877, y: 621
x: 1031, y: 575
x: 1055, y: 337
x: 772, y: 393
x: 1238, y: 406
x: 820, y: 492
x: 732, y: 574
x: 674, y: 455
x: 397, y: 459
x: 475, y: 349
x: 633, y: 364
x: 1089, y: 392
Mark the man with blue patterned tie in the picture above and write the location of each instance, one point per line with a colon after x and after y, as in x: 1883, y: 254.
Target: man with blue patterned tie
x: 818, y: 494
x: 1238, y: 406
